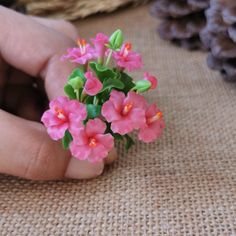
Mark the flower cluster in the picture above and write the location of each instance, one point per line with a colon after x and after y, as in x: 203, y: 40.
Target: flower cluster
x: 103, y: 103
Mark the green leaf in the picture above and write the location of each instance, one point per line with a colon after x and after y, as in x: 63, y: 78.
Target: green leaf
x: 93, y: 111
x: 70, y: 91
x: 127, y: 81
x: 88, y: 100
x: 66, y: 140
x: 112, y: 83
x: 117, y: 136
x: 76, y: 73
x: 129, y: 142
x: 76, y: 83
x: 104, y: 96
x: 102, y: 72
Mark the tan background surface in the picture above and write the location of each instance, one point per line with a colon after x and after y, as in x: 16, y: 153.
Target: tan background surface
x: 184, y: 184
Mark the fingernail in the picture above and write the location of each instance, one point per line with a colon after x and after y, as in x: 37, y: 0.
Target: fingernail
x: 112, y: 156
x: 77, y: 169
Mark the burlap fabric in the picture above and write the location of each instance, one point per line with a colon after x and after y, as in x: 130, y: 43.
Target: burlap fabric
x: 184, y: 184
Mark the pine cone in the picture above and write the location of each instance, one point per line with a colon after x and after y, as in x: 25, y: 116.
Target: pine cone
x: 220, y: 37
x: 182, y: 21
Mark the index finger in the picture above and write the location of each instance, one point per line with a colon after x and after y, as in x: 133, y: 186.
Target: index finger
x: 36, y: 49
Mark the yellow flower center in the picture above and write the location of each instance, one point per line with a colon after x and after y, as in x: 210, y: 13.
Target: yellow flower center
x: 60, y: 113
x: 156, y: 117
x: 128, y: 47
x: 92, y: 142
x: 127, y: 108
x: 82, y: 45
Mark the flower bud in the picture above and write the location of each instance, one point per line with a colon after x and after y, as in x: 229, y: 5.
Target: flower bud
x: 116, y: 40
x: 142, y: 86
x: 76, y: 83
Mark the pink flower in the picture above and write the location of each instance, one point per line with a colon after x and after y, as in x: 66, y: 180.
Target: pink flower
x: 92, y: 85
x: 152, y: 79
x: 90, y: 143
x: 81, y: 54
x: 62, y: 115
x: 124, y: 113
x: 99, y: 44
x: 153, y: 126
x: 127, y: 59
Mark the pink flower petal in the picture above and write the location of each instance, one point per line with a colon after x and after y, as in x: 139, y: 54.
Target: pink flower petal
x: 147, y: 135
x: 99, y: 44
x: 49, y: 119
x: 128, y: 59
x: 109, y: 112
x: 98, y: 153
x: 57, y: 132
x: 151, y: 110
x: 106, y: 139
x: 79, y: 136
x: 79, y: 152
x: 122, y: 127
x: 77, y: 109
x: 94, y: 127
x: 75, y: 124
x: 152, y: 79
x: 151, y: 131
x: 136, y: 100
x: 79, y: 55
x: 58, y: 102
x: 117, y: 99
x: 137, y: 117
x: 93, y: 85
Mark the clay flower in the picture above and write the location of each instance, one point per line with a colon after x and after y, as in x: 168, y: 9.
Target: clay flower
x: 81, y: 54
x: 99, y: 43
x: 103, y: 101
x: 92, y: 85
x: 63, y: 113
x: 90, y: 143
x: 151, y: 79
x: 124, y: 113
x: 127, y: 59
x: 153, y: 126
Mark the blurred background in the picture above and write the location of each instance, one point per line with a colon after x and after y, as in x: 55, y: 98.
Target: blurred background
x: 184, y: 184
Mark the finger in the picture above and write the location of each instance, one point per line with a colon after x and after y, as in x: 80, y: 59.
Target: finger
x: 62, y: 26
x: 35, y: 156
x: 112, y: 156
x: 37, y: 51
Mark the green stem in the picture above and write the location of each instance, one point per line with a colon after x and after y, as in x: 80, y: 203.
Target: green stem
x: 95, y: 100
x: 109, y: 57
x: 77, y: 94
x: 83, y: 96
x: 84, y: 67
x: 100, y: 60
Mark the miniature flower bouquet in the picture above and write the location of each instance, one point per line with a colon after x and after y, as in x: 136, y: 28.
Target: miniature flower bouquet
x: 103, y: 102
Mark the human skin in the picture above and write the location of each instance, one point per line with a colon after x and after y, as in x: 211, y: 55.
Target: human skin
x: 32, y: 47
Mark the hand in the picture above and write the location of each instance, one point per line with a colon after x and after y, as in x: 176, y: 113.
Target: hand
x: 32, y: 47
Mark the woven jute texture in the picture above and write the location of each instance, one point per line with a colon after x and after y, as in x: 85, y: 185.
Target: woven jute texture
x: 184, y: 184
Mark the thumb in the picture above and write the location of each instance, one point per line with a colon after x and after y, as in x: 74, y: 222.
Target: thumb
x: 35, y: 156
